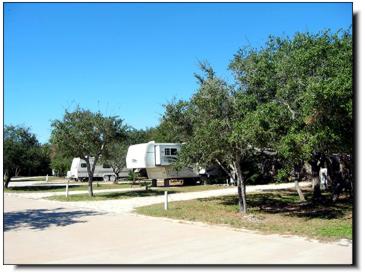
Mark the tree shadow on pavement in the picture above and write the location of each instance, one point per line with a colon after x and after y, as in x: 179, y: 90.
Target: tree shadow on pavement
x: 39, y: 219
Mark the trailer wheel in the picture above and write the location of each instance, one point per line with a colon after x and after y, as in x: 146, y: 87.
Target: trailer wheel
x: 106, y: 178
x: 112, y: 178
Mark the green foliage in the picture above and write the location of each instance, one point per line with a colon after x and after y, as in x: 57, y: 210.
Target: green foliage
x: 210, y: 112
x: 175, y: 125
x: 302, y: 90
x: 132, y: 176
x: 23, y: 154
x: 61, y: 164
x: 146, y: 184
x: 117, y: 156
x: 85, y: 134
x: 283, y: 174
x: 137, y: 136
x: 290, y: 99
x: 82, y: 133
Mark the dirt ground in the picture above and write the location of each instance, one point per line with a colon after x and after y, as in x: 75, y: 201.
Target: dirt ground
x: 44, y: 232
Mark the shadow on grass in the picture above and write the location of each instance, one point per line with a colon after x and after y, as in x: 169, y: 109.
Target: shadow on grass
x: 287, y: 203
x: 39, y: 219
x: 131, y: 194
x: 108, y: 196
x: 39, y: 188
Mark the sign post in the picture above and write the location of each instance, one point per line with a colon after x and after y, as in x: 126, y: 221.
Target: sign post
x: 166, y: 201
x: 67, y: 190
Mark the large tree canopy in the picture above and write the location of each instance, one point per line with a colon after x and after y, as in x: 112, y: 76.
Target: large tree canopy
x: 291, y: 98
x: 305, y: 84
x: 85, y: 134
x: 302, y: 89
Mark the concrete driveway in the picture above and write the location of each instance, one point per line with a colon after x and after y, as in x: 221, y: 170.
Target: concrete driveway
x: 44, y: 232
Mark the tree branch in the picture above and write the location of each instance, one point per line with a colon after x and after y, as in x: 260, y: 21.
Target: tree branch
x: 293, y: 113
x: 225, y: 170
x: 265, y: 151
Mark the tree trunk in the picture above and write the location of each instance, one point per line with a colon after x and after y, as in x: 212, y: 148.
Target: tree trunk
x: 90, y: 186
x: 241, y: 187
x: 316, y: 187
x: 240, y: 198
x: 90, y: 172
x: 297, y: 169
x: 133, y: 177
x: 229, y: 173
x: 17, y: 171
x: 7, y: 178
x: 116, y: 172
x: 300, y: 193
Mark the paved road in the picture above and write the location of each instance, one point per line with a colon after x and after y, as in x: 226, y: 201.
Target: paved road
x: 45, y: 232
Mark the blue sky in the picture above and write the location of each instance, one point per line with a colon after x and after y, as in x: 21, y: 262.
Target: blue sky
x: 130, y: 59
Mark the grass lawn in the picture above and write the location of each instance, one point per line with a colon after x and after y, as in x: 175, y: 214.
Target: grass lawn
x: 191, y: 188
x: 131, y: 194
x: 272, y: 212
x: 103, y: 186
x: 58, y: 188
x: 107, y: 196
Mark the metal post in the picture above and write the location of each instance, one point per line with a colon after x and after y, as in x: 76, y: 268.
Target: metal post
x: 67, y: 190
x: 166, y: 200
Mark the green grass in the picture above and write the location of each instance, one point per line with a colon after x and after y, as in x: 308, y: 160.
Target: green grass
x: 56, y: 188
x: 191, y: 188
x: 131, y: 194
x: 107, y: 196
x: 102, y: 186
x: 274, y: 212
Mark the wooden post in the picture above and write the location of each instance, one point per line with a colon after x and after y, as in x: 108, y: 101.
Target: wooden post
x: 166, y: 200
x: 134, y: 177
x: 47, y: 178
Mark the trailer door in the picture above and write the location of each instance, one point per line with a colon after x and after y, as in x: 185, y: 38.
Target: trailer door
x: 157, y: 155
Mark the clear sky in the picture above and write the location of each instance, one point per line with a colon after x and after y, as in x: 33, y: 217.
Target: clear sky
x: 130, y: 59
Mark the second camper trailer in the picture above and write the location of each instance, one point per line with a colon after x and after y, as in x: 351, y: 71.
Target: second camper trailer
x: 158, y: 159
x: 78, y: 171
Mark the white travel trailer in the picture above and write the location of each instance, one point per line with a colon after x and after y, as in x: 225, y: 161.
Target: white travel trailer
x: 157, y: 159
x: 78, y: 171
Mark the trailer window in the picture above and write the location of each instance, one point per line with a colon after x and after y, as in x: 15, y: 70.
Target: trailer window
x: 106, y: 166
x: 170, y: 151
x: 83, y: 165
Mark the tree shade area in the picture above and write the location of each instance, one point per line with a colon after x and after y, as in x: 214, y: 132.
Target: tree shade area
x: 291, y: 103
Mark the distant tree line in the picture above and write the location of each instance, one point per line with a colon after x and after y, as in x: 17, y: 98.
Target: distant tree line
x: 23, y: 154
